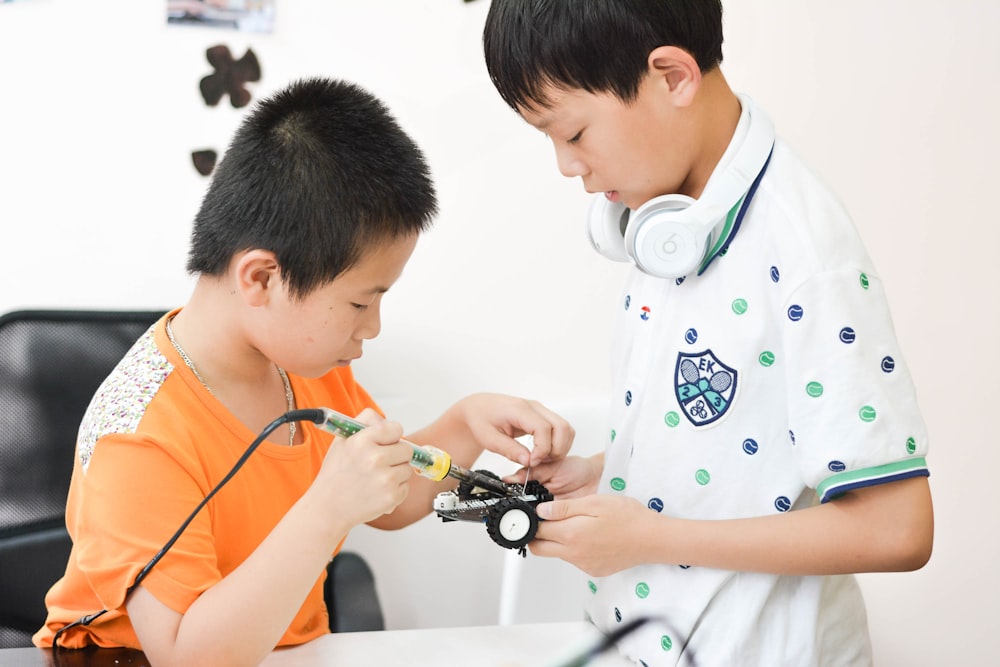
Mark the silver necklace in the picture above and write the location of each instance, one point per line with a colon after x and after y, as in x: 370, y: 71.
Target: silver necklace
x: 289, y: 396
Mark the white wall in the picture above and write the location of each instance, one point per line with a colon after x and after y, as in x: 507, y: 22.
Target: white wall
x: 893, y: 101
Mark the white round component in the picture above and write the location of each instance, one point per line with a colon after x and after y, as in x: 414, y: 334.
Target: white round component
x: 514, y: 524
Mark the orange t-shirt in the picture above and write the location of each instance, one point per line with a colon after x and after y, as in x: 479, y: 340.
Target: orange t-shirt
x: 153, y: 443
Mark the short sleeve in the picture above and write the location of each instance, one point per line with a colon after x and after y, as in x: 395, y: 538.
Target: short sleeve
x: 129, y: 514
x: 853, y: 409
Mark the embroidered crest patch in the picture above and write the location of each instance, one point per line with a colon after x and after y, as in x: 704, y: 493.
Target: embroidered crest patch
x: 704, y: 386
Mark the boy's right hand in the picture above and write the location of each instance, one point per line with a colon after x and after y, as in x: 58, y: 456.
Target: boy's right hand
x: 571, y: 477
x: 368, y: 474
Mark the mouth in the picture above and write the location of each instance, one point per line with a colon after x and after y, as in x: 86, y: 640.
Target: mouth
x: 347, y: 362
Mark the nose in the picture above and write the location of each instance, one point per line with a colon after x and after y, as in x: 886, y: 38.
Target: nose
x: 569, y: 163
x: 371, y: 323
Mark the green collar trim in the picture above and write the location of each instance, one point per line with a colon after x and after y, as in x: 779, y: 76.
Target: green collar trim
x: 722, y: 240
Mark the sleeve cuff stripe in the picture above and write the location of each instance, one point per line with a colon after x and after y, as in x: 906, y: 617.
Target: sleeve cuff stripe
x: 841, y: 483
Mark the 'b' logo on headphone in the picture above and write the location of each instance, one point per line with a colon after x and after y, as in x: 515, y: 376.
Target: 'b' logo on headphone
x: 669, y: 246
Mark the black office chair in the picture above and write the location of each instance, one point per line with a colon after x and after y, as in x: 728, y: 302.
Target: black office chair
x: 350, y: 594
x: 51, y: 362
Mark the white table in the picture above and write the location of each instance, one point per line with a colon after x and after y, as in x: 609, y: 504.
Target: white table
x: 529, y: 645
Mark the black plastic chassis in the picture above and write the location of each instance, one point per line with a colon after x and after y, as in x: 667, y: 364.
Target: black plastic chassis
x: 510, y: 520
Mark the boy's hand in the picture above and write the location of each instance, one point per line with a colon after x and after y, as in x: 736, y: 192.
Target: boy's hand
x: 495, y: 420
x: 367, y: 474
x: 571, y: 477
x: 593, y: 532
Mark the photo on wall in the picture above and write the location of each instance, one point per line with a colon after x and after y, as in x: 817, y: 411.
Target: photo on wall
x: 242, y: 15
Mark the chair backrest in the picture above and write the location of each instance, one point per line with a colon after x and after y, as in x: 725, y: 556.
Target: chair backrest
x: 51, y: 362
x: 350, y: 594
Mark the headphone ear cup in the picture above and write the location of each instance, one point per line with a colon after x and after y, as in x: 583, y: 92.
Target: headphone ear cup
x: 606, y: 224
x: 662, y: 240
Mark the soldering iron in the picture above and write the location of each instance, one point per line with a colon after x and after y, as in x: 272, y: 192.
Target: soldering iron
x: 429, y: 462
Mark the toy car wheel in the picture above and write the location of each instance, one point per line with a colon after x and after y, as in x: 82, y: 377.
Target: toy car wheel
x: 512, y: 523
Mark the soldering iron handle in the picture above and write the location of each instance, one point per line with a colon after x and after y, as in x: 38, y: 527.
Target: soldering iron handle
x: 429, y: 462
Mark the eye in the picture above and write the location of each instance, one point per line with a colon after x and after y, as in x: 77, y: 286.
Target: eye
x: 360, y: 307
x: 575, y: 138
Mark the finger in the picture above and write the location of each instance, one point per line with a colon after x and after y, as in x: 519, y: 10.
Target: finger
x: 370, y: 417
x: 557, y: 436
x: 508, y: 447
x: 384, y: 433
x: 541, y: 472
x: 515, y: 477
x: 552, y: 511
x: 564, y: 508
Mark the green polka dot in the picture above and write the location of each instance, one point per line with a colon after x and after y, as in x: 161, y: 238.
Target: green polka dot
x: 702, y: 477
x: 592, y: 586
x: 740, y: 306
x: 766, y: 358
x: 672, y: 419
x: 867, y: 413
x: 614, y: 434
x: 865, y: 284
x: 666, y: 643
x: 642, y: 590
x: 618, y: 484
x: 814, y: 389
x: 911, y: 445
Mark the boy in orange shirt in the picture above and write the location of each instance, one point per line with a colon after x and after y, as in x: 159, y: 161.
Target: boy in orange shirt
x: 309, y: 220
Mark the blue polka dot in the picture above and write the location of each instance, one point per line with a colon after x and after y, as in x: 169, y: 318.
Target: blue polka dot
x: 628, y: 398
x: 691, y: 336
x: 791, y: 435
x: 847, y: 335
x: 684, y: 567
x: 679, y: 280
x: 888, y: 364
x: 782, y: 504
x: 628, y: 301
x: 836, y: 466
x: 618, y: 614
x: 795, y: 312
x: 750, y: 446
x: 655, y: 504
x: 775, y: 274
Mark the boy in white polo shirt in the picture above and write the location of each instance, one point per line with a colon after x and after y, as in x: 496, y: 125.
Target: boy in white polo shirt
x: 765, y: 441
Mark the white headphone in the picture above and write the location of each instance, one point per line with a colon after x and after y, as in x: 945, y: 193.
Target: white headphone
x: 667, y: 236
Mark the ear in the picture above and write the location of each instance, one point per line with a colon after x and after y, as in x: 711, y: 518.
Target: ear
x: 678, y: 70
x: 257, y: 276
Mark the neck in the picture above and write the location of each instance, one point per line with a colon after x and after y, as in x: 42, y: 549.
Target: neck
x: 215, y: 335
x: 714, y: 115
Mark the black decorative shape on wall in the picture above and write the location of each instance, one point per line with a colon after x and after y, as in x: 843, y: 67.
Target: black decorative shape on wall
x: 204, y: 161
x: 229, y: 77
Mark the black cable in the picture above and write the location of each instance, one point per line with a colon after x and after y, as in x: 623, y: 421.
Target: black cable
x: 313, y: 415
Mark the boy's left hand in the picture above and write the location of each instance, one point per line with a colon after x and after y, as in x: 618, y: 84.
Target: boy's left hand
x: 592, y: 532
x: 494, y: 420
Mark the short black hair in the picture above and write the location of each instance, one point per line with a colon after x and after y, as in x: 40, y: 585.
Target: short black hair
x: 318, y: 173
x: 600, y: 46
